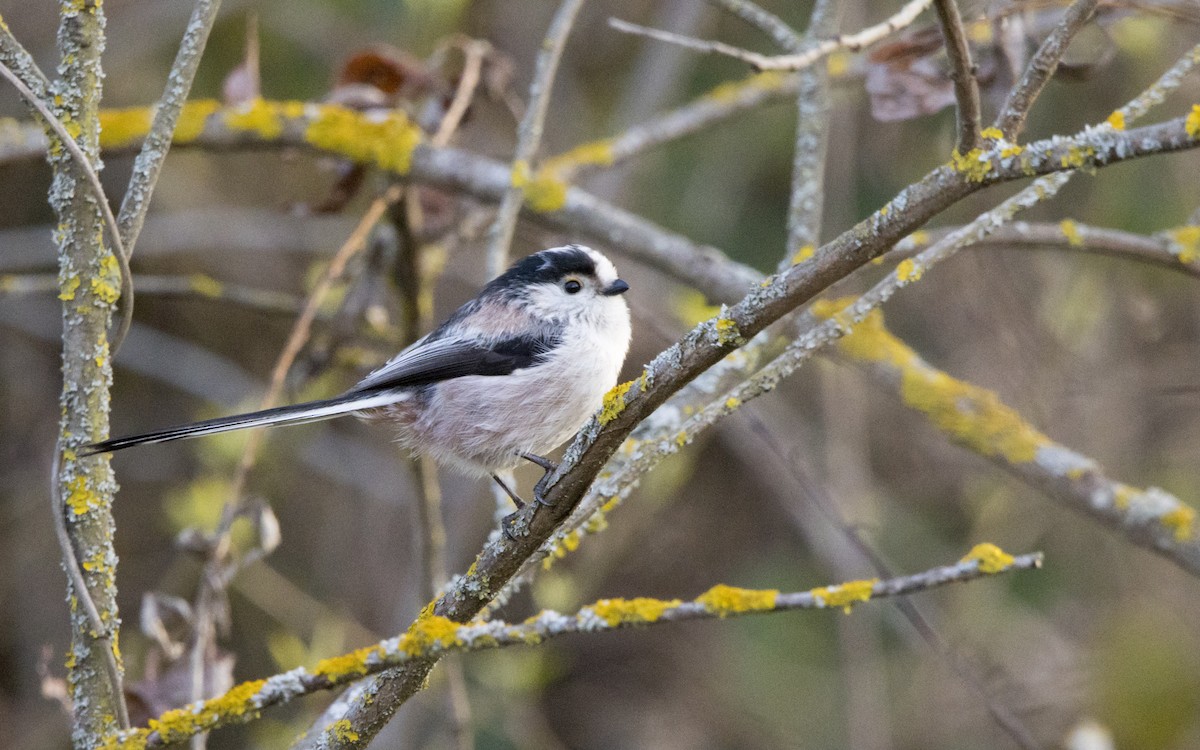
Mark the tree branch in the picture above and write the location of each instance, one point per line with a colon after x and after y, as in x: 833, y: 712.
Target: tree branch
x: 852, y: 42
x: 966, y: 89
x: 88, y: 271
x: 149, y: 161
x: 433, y: 637
x: 529, y: 135
x: 1011, y: 120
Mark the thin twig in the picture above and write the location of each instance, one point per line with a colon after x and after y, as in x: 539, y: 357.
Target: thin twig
x: 93, y: 181
x: 149, y: 161
x: 1011, y: 119
x: 474, y: 52
x: 215, y: 575
x: 806, y: 201
x: 104, y: 633
x: 784, y: 36
x: 529, y: 134
x: 962, y: 72
x: 819, y: 498
x: 14, y: 55
x: 852, y: 42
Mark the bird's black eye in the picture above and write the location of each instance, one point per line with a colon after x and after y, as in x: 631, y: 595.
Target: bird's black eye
x: 572, y: 286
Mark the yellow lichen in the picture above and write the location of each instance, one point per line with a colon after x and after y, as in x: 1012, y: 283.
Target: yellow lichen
x: 918, y: 238
x: 971, y: 415
x: 991, y: 558
x: 1123, y: 496
x: 973, y: 165
x: 335, y: 668
x: 69, y: 288
x: 342, y: 731
x: 93, y: 563
x: 1011, y: 150
x: 728, y: 333
x: 427, y: 633
x: 729, y: 92
x: 80, y: 499
x: 106, y: 285
x: 803, y: 254
x: 692, y: 308
x: 599, y: 153
x: 192, y: 119
x: 1185, y: 243
x: 1117, y: 120
x: 543, y: 192
x: 845, y: 595
x: 205, y: 285
x: 1192, y: 123
x: 1071, y: 231
x: 123, y: 127
x: 632, y: 611
x: 181, y: 723
x: 1077, y: 156
x: 732, y: 403
x: 724, y: 600
x: 908, y: 271
x: 838, y: 64
x: 387, y: 142
x: 992, y: 134
x: 614, y: 402
x: 1182, y: 521
x: 259, y: 117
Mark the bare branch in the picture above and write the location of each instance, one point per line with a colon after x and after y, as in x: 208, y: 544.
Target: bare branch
x: 852, y: 42
x: 1011, y: 120
x: 784, y: 36
x: 966, y: 88
x: 529, y: 134
x: 806, y: 202
x: 149, y: 161
x: 197, y: 286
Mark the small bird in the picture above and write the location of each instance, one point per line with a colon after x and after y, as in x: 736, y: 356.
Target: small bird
x: 509, y: 376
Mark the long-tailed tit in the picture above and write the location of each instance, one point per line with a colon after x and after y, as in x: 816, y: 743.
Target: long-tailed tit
x: 509, y: 376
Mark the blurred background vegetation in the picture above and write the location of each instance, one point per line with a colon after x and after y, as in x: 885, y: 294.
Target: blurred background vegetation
x: 1100, y: 353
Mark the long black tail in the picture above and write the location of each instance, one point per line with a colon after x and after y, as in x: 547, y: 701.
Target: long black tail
x: 313, y: 411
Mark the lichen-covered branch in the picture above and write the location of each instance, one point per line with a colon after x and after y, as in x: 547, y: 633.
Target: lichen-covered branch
x: 16, y: 58
x: 89, y: 288
x: 1176, y: 249
x: 432, y: 636
x: 976, y: 418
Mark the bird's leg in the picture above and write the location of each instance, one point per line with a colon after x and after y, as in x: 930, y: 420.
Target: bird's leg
x: 507, y: 522
x: 539, y: 489
x: 517, y: 501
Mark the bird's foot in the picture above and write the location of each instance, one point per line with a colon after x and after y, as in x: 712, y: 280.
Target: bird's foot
x: 539, y: 489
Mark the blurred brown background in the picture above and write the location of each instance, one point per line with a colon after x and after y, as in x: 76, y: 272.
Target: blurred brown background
x: 1100, y: 353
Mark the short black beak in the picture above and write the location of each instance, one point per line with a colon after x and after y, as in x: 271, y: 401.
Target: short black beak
x: 617, y: 287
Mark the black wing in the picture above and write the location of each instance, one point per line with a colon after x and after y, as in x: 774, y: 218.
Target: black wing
x: 434, y: 359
